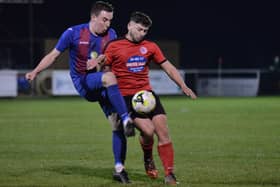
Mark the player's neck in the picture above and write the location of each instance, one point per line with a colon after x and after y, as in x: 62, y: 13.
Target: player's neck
x: 128, y: 37
x: 91, y: 28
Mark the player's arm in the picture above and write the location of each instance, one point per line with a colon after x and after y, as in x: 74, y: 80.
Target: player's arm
x: 44, y: 63
x: 174, y: 74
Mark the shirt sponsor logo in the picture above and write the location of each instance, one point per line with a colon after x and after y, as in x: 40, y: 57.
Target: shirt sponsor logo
x: 136, y: 63
x: 84, y: 42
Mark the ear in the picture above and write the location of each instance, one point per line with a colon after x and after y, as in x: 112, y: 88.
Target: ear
x: 128, y: 25
x: 92, y: 17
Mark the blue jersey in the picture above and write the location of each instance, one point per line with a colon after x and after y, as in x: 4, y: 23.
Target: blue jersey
x: 82, y: 45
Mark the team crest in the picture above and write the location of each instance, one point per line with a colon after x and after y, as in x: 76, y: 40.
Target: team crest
x: 143, y: 50
x: 93, y: 54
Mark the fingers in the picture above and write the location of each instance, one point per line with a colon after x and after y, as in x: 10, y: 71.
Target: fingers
x: 101, y: 59
x: 29, y: 77
x: 96, y: 62
x: 91, y: 64
x: 193, y: 96
x: 102, y: 56
x: 190, y: 93
x: 101, y: 62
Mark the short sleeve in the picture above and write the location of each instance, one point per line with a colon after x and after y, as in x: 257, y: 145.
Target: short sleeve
x: 158, y: 56
x: 64, y: 40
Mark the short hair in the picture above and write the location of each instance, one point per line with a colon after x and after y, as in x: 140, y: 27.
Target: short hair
x: 98, y: 6
x: 141, y: 18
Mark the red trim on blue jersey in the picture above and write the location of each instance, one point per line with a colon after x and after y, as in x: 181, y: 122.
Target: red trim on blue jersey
x: 82, y: 52
x: 104, y: 41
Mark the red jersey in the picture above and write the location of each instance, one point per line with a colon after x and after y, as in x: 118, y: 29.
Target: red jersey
x: 130, y: 63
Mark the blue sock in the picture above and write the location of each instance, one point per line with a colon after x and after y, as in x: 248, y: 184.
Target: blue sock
x: 119, y: 147
x: 117, y: 101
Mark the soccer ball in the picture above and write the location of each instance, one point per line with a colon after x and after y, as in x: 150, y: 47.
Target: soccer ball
x: 143, y: 102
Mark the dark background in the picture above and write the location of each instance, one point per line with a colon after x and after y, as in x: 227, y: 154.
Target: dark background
x: 244, y: 33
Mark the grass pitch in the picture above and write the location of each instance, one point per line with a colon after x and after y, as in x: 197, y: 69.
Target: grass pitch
x: 67, y: 142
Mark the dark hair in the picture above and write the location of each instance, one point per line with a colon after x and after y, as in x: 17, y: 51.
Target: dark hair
x: 98, y: 6
x: 141, y: 18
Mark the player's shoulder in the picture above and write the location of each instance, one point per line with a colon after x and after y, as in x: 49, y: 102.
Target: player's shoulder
x: 78, y: 27
x: 150, y: 45
x: 149, y: 42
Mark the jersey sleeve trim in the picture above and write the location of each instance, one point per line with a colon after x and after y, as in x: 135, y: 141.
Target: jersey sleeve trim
x: 162, y: 61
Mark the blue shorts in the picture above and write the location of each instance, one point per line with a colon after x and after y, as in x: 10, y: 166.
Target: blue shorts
x: 93, y: 90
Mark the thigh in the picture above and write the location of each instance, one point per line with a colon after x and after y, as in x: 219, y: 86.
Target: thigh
x: 92, y: 86
x: 93, y: 81
x: 94, y: 91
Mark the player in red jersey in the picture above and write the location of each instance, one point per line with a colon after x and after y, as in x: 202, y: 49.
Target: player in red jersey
x: 128, y: 58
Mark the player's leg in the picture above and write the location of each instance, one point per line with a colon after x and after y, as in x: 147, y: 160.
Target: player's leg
x: 119, y: 145
x: 119, y: 141
x: 110, y: 82
x: 94, y: 91
x: 146, y: 140
x: 165, y: 148
x: 94, y: 82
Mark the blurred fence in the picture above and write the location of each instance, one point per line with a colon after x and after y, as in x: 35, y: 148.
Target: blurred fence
x: 17, y: 55
x: 229, y: 83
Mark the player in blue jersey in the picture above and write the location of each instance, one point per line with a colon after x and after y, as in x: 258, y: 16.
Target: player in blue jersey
x: 85, y: 43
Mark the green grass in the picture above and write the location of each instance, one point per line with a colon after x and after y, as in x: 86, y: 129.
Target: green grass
x: 67, y: 142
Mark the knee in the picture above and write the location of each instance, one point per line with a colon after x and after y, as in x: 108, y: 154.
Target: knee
x: 164, y: 140
x: 150, y: 134
x: 114, y: 121
x: 147, y: 133
x: 163, y: 137
x: 109, y: 79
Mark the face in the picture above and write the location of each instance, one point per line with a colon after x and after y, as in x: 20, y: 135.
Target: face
x: 102, y: 22
x: 136, y: 31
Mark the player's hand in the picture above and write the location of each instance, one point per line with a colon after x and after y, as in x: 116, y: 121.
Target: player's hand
x: 187, y: 91
x: 30, y: 76
x: 96, y: 62
x: 101, y: 59
x: 91, y: 64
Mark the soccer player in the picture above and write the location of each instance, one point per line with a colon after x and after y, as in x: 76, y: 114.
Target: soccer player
x: 128, y: 58
x: 85, y: 43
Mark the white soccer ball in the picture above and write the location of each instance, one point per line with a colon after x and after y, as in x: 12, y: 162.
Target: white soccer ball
x: 143, y: 102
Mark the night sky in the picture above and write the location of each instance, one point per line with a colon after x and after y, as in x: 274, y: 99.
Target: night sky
x: 246, y: 34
